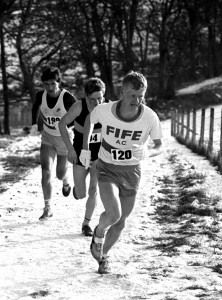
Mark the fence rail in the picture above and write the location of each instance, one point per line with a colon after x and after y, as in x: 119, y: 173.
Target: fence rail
x: 200, y: 132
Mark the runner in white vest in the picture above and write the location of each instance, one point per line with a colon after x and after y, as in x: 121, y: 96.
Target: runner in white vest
x: 126, y: 127
x: 53, y: 103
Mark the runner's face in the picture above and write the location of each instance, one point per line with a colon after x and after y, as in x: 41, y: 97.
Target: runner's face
x: 94, y: 99
x: 132, y: 99
x: 52, y: 87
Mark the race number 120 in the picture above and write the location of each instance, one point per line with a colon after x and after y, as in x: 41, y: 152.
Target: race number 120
x: 121, y: 154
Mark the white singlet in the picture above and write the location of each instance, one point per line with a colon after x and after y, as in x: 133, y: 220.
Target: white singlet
x: 123, y: 143
x: 51, y: 117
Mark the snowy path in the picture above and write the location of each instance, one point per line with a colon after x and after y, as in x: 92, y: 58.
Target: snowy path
x: 51, y: 260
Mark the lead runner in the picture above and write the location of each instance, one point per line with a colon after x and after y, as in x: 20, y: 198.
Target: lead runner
x: 127, y: 125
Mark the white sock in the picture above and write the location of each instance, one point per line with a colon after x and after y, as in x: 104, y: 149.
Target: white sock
x: 47, y: 203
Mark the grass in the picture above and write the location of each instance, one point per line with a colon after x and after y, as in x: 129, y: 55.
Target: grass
x: 187, y: 210
x: 198, y: 95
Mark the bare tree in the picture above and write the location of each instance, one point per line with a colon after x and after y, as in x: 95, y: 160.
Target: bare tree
x: 5, y: 11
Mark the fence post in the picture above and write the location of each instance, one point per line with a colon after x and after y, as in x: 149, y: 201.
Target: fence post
x: 211, y: 132
x: 194, y: 127
x: 1, y: 127
x: 220, y: 152
x: 175, y: 122
x: 182, y: 123
x: 188, y: 126
x: 202, y: 128
x: 172, y: 122
x: 178, y: 122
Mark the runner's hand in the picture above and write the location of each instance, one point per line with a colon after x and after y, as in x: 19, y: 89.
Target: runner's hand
x: 72, y: 156
x: 34, y: 130
x: 138, y: 152
x: 56, y: 124
x: 85, y: 158
x: 154, y: 152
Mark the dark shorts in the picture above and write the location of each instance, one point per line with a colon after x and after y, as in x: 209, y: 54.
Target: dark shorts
x: 126, y: 178
x: 94, y: 152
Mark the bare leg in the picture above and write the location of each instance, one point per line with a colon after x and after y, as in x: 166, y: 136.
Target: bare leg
x: 79, y: 174
x: 92, y: 196
x: 109, y: 193
x: 111, y: 220
x: 61, y: 169
x: 114, y: 232
x: 47, y: 157
x: 79, y: 177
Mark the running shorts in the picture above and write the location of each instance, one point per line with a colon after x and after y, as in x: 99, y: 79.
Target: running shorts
x: 126, y: 178
x: 54, y: 141
x: 94, y: 151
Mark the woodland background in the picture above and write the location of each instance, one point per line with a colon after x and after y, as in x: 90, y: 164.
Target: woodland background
x: 172, y: 42
x: 173, y: 240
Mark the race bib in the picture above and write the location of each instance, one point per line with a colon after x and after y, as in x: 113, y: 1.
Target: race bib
x: 52, y: 120
x: 121, y: 154
x: 95, y: 137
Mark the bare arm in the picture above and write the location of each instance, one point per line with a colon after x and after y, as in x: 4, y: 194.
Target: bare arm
x: 88, y: 129
x: 157, y: 149
x: 69, y: 117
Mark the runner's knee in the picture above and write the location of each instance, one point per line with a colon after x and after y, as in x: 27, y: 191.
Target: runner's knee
x: 119, y: 226
x: 46, y: 175
x: 80, y: 194
x: 60, y: 174
x: 114, y: 217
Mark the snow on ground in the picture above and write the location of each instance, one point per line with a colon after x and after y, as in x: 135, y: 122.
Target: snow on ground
x: 160, y: 255
x: 191, y: 89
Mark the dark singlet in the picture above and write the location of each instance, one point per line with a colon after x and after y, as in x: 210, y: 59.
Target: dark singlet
x: 78, y: 133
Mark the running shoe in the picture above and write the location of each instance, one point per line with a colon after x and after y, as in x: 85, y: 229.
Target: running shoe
x: 86, y: 230
x: 66, y: 190
x: 47, y: 213
x: 104, y: 267
x: 96, y: 246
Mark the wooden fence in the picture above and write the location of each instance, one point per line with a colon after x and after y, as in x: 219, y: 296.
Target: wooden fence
x: 200, y: 132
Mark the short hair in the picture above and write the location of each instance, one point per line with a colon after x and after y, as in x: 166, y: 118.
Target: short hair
x: 137, y: 80
x: 51, y: 73
x: 93, y: 85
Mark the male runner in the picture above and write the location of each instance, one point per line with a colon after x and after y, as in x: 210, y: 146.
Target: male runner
x: 53, y: 102
x: 94, y: 90
x: 126, y: 127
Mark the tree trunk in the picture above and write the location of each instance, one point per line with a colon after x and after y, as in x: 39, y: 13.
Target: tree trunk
x: 107, y: 77
x: 212, y: 55
x: 162, y: 63
x: 5, y: 85
x: 28, y: 77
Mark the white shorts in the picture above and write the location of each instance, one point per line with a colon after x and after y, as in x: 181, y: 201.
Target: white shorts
x: 54, y: 141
